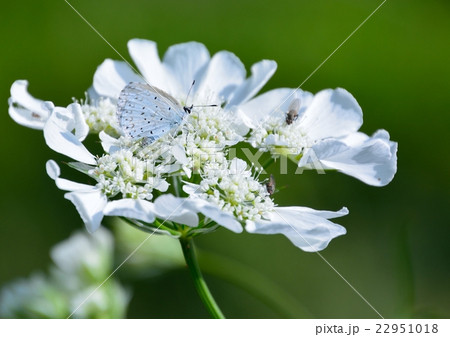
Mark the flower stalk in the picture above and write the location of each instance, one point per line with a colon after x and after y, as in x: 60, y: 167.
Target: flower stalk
x: 187, y: 245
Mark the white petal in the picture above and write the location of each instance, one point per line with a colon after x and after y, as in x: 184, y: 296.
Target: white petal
x: 78, y: 125
x: 54, y: 172
x: 355, y: 139
x: 109, y: 144
x: 213, y: 212
x: 179, y: 153
x: 332, y: 113
x: 210, y: 210
x: 275, y: 140
x: 92, y: 95
x: 58, y: 136
x: 237, y: 166
x: 187, y: 171
x: 26, y: 110
x: 224, y: 73
x: 112, y: 76
x: 190, y: 188
x: 324, y: 214
x: 372, y: 160
x: 52, y: 169
x: 90, y: 205
x: 71, y: 119
x: 145, y: 54
x: 184, y: 63
x: 273, y: 102
x: 161, y: 185
x: 238, y: 122
x: 306, y: 228
x: 168, y: 207
x: 131, y: 208
x: 261, y: 73
x: 19, y: 93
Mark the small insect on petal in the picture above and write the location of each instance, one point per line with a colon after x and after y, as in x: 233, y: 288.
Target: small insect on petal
x: 292, y: 113
x: 270, y: 185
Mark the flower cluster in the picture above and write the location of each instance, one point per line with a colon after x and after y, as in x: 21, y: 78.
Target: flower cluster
x: 234, y: 190
x: 100, y: 115
x: 130, y: 175
x: 80, y: 264
x: 185, y: 183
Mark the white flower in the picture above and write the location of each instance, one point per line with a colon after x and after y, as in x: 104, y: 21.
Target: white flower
x: 63, y: 133
x: 109, y: 301
x: 35, y: 297
x: 90, y: 200
x: 81, y: 263
x: 324, y: 135
x: 84, y: 258
x: 234, y: 190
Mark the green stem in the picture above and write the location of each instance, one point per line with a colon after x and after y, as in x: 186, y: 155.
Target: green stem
x: 187, y: 245
x: 176, y: 186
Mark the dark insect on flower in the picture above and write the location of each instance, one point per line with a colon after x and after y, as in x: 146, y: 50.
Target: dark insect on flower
x: 270, y: 185
x: 292, y: 113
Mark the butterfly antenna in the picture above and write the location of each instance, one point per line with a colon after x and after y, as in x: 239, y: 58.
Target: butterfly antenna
x: 205, y: 106
x: 189, y: 92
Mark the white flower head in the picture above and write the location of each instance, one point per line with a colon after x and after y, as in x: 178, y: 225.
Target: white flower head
x: 324, y: 133
x: 182, y: 183
x: 81, y: 263
x: 234, y: 189
x: 85, y: 258
x: 35, y: 297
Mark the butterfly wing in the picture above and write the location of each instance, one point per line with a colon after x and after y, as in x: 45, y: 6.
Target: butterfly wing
x: 147, y: 112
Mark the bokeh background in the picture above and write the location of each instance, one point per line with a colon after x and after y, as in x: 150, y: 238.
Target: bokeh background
x: 396, y: 252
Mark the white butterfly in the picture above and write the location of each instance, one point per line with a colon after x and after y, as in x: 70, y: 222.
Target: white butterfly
x: 147, y: 112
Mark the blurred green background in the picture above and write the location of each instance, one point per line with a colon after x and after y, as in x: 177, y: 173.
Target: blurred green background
x: 396, y: 252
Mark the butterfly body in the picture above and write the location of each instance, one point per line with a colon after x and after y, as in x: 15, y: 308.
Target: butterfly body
x: 147, y: 112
